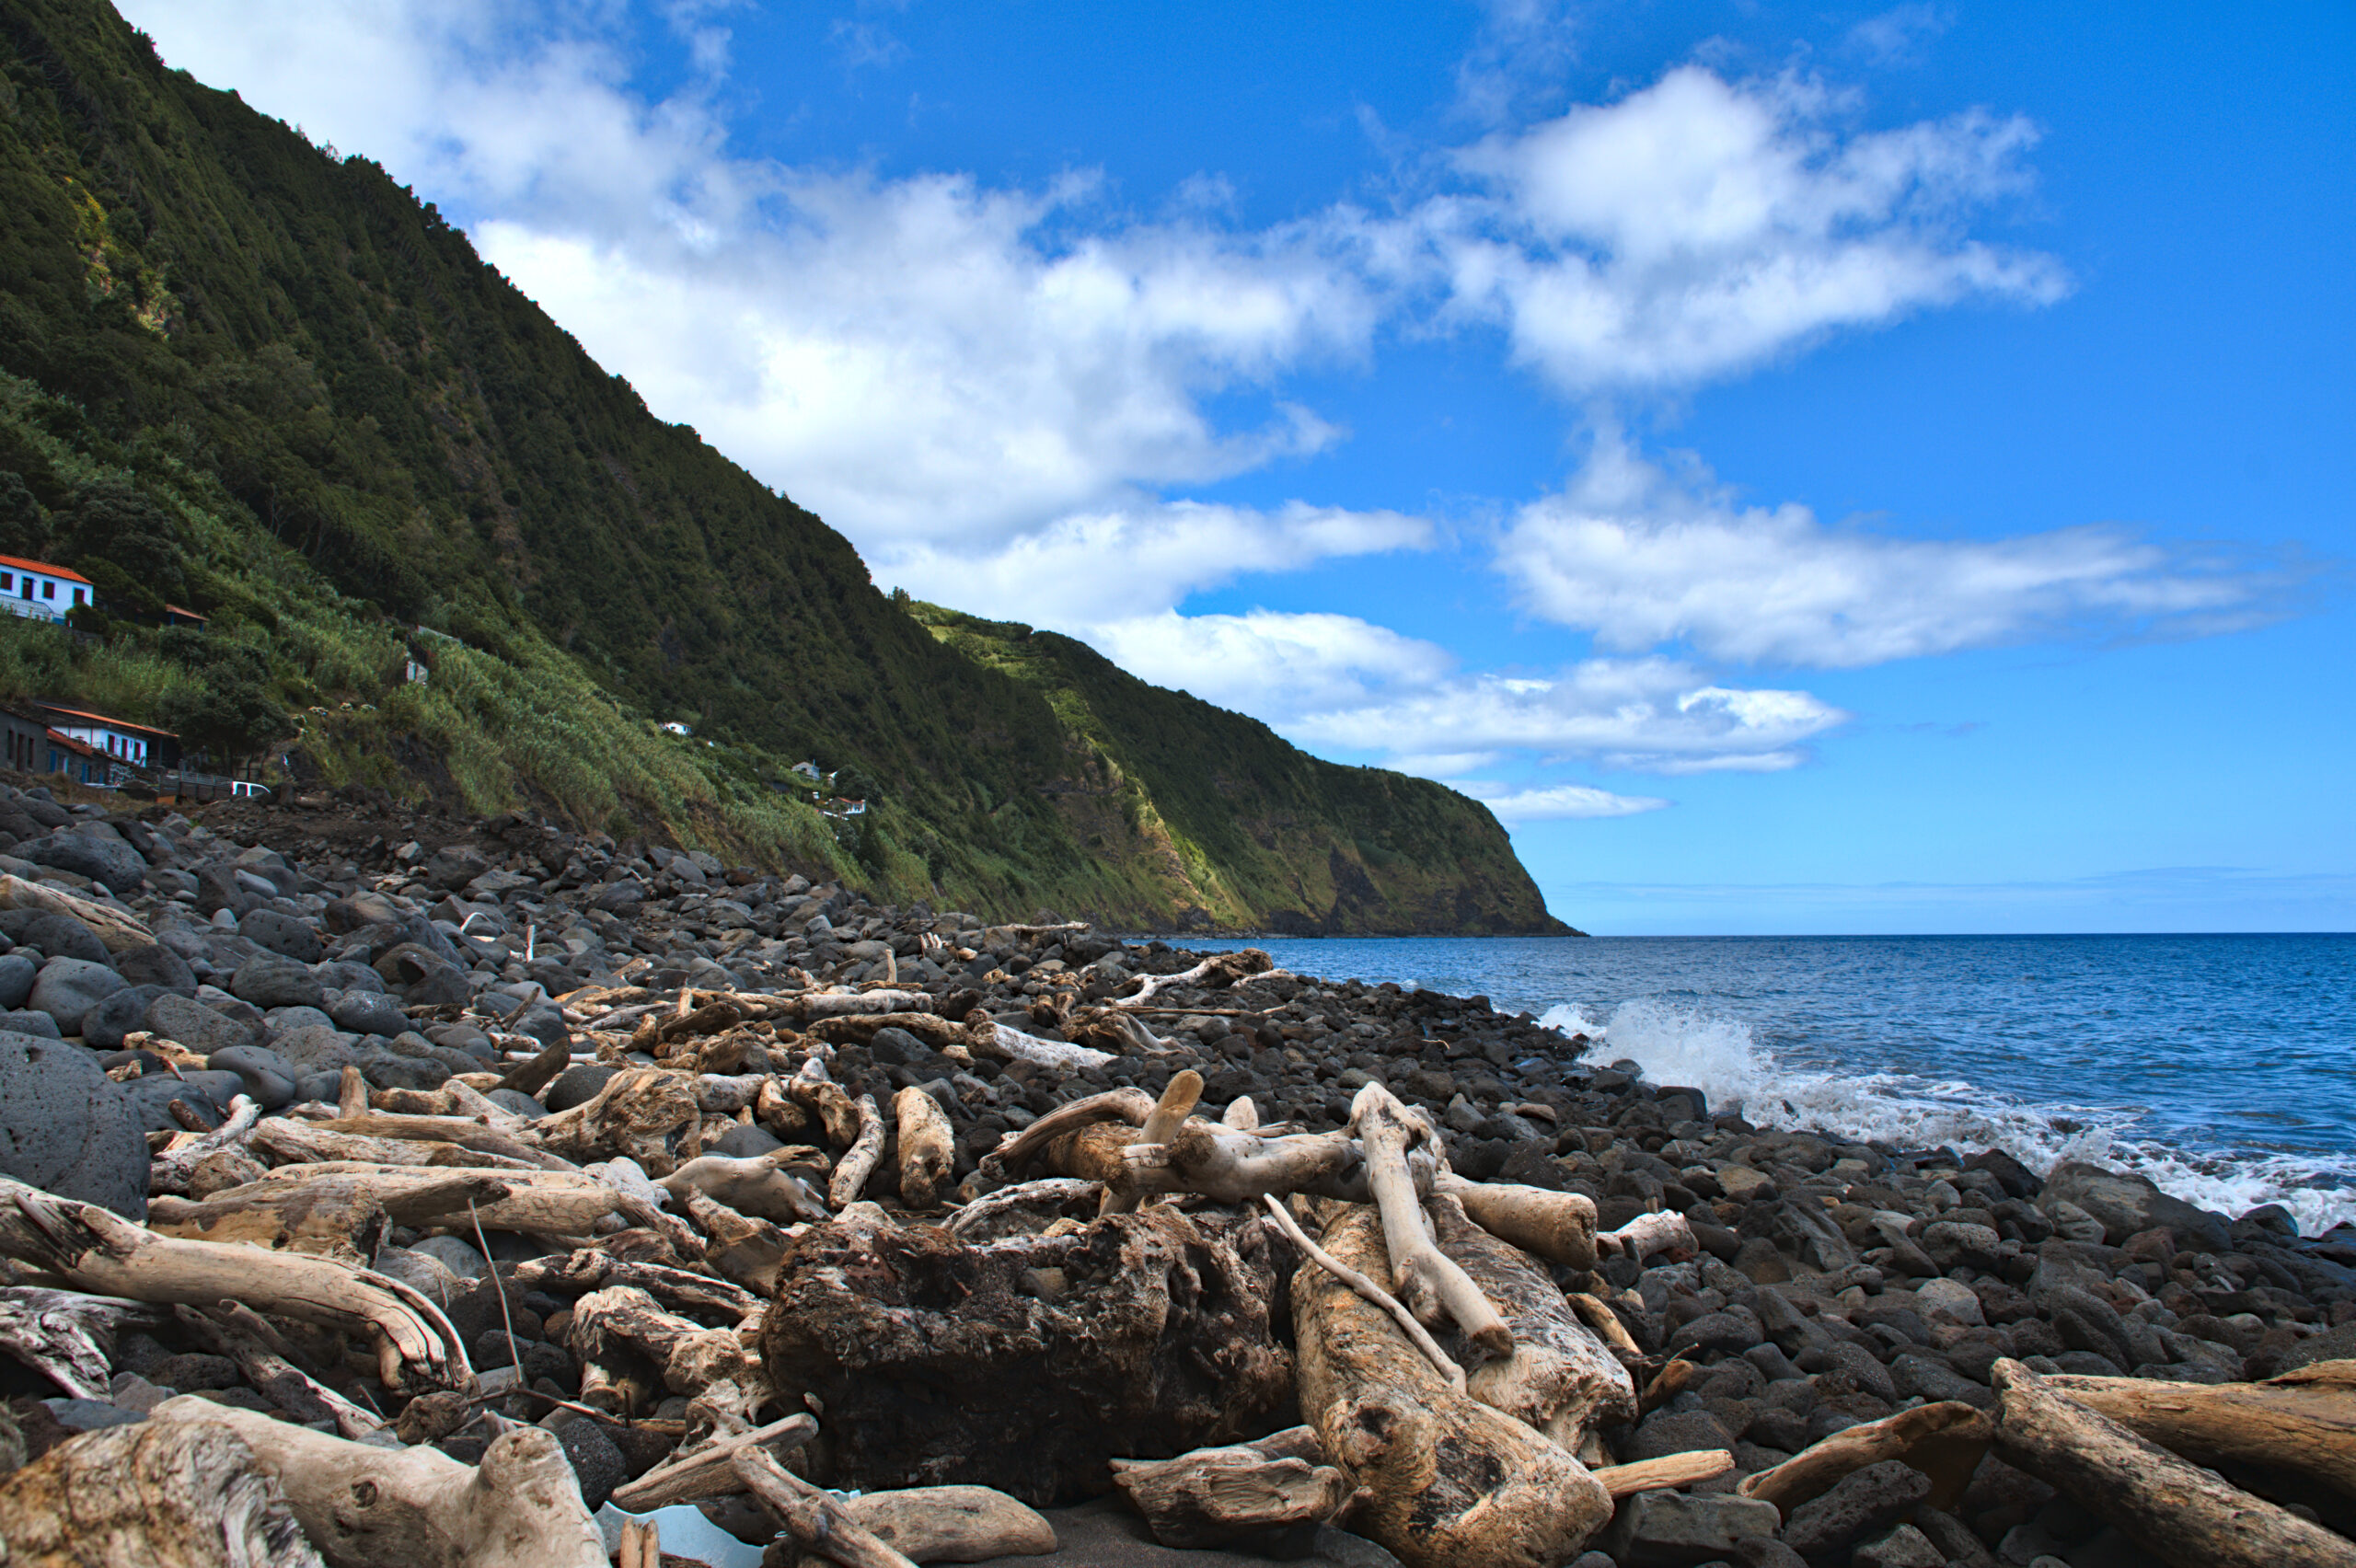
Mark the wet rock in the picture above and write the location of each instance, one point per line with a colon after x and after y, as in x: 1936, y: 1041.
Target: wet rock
x: 200, y: 1028
x: 282, y: 934
x: 1864, y: 1505
x: 1672, y: 1529
x: 2125, y: 1202
x: 69, y: 987
x: 63, y: 936
x: 269, y: 980
x: 65, y: 1128
x: 107, y: 861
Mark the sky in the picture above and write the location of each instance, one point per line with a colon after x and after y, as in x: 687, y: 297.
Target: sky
x: 1809, y: 469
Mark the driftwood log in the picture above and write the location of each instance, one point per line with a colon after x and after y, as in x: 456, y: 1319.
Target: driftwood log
x: 168, y: 1171
x: 68, y: 1337
x: 928, y: 1147
x: 640, y: 1115
x: 2287, y: 1436
x: 90, y: 1249
x: 707, y: 1470
x: 1557, y: 1376
x: 1945, y: 1441
x: 115, y: 927
x: 1214, y: 1496
x: 1444, y: 1481
x: 859, y: 1162
x: 1426, y: 1280
x: 238, y: 1331
x: 1022, y: 1364
x: 2181, y: 1514
x: 1670, y: 1471
x: 151, y: 1495
x: 757, y: 1185
x: 369, y: 1508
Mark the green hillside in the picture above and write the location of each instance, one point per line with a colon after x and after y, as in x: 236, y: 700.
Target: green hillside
x: 243, y: 374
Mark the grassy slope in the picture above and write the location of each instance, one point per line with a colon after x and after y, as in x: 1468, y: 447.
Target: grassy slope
x: 356, y: 424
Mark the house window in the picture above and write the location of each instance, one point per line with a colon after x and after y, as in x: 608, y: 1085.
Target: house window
x: 77, y: 594
x: 49, y: 590
x: 7, y: 581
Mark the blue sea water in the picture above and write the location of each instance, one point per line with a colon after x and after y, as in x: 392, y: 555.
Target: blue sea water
x: 2223, y: 1067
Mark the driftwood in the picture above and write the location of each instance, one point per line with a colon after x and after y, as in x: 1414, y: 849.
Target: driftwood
x: 1557, y: 1376
x: 168, y: 1171
x: 369, y: 1508
x: 678, y: 1290
x: 1557, y: 1226
x: 1011, y: 1044
x: 2177, y: 1511
x: 1372, y: 1293
x: 1023, y: 1209
x: 618, y: 1330
x: 150, y: 1495
x: 820, y: 1096
x: 817, y: 1522
x: 757, y: 1185
x: 851, y: 1173
x: 1945, y: 1441
x: 330, y: 1219
x: 1218, y: 970
x: 1606, y: 1325
x: 1016, y: 1150
x: 928, y: 1147
x: 639, y: 1114
x: 1144, y: 1334
x: 952, y: 1524
x: 747, y: 1251
x: 1647, y: 1234
x: 288, y: 1141
x: 1668, y: 1471
x: 1426, y: 1280
x: 238, y: 1331
x: 2296, y: 1432
x: 536, y: 1073
x: 465, y: 1131
x: 115, y: 927
x: 67, y: 1336
x: 705, y: 1470
x: 93, y: 1250
x: 1444, y: 1481
x: 1177, y: 1102
x: 1213, y: 1496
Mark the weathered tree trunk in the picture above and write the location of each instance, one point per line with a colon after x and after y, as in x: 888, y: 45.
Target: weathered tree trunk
x: 1426, y: 1279
x: 755, y: 1185
x: 705, y: 1470
x: 336, y: 1220
x: 952, y: 1524
x: 1213, y: 1496
x: 928, y: 1147
x: 1445, y: 1481
x: 116, y: 929
x: 2179, y: 1512
x: 151, y: 1495
x: 1668, y: 1471
x: 1557, y: 1226
x: 2300, y: 1425
x: 93, y: 1250
x: 1178, y: 1101
x: 817, y: 1522
x: 67, y: 1336
x: 244, y: 1336
x: 288, y: 1141
x: 1945, y: 1441
x: 859, y: 1162
x: 1558, y: 1377
x: 369, y: 1508
x: 294, y: 1199
x: 168, y: 1171
x: 641, y: 1115
x: 1026, y: 1363
x: 1372, y: 1293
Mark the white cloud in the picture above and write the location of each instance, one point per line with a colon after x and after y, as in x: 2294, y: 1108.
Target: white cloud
x: 1275, y: 667
x: 1897, y: 35
x: 1692, y: 229
x: 1646, y: 559
x: 1555, y: 802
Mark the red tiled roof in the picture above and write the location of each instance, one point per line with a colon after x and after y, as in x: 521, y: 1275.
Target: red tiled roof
x: 44, y: 568
x: 57, y: 710
x: 189, y: 614
x: 83, y: 747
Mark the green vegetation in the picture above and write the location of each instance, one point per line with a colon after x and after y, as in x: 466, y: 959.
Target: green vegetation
x: 243, y: 374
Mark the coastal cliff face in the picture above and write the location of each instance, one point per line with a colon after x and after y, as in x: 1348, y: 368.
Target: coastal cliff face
x: 252, y: 376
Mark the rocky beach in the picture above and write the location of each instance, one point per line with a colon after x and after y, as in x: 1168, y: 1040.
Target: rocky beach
x: 384, y: 1189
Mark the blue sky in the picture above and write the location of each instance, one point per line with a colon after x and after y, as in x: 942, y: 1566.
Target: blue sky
x: 1810, y: 470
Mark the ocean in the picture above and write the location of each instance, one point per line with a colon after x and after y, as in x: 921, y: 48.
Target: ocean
x: 2221, y: 1067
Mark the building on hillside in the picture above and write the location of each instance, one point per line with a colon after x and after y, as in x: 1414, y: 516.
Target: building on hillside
x: 120, y: 740
x: 176, y: 615
x: 42, y: 591
x: 23, y: 737
x: 78, y: 760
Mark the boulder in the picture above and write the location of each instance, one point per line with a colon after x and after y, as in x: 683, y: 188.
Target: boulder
x: 1864, y: 1503
x: 368, y: 1013
x: 69, y: 987
x: 104, y: 1026
x: 1670, y: 1530
x: 282, y: 934
x: 40, y: 1025
x: 454, y: 867
x: 67, y: 1129
x: 63, y: 936
x: 107, y: 861
x: 200, y: 1028
x: 269, y: 980
x: 152, y: 964
x: 207, y: 1093
x: 2126, y: 1203
x: 316, y: 1047
x: 16, y: 975
x: 356, y: 911
x: 217, y: 888
x: 577, y: 1085
x: 270, y: 1079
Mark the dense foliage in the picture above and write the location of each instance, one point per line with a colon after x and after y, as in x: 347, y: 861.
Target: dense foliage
x: 245, y: 375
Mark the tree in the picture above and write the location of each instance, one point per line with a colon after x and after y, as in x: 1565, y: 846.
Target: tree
x: 115, y: 524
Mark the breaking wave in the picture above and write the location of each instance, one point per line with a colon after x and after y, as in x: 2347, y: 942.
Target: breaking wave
x: 1681, y: 1044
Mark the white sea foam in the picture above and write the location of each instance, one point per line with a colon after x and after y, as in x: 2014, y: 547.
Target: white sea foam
x: 1684, y: 1046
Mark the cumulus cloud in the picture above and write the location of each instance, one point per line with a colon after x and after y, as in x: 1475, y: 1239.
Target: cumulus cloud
x: 1555, y: 802
x: 1644, y: 559
x: 1692, y: 229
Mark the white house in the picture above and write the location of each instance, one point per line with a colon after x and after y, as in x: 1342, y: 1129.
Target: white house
x: 117, y: 738
x: 38, y: 589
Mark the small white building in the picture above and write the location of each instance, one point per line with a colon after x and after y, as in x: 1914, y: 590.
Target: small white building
x: 38, y: 589
x: 673, y: 727
x: 117, y: 738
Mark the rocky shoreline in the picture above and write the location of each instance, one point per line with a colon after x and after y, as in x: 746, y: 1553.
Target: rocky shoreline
x: 877, y: 1197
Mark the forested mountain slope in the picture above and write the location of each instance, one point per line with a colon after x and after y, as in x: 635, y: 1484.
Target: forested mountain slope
x: 250, y: 376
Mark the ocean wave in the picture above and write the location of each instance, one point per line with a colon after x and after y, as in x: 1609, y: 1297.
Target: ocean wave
x: 1681, y: 1044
